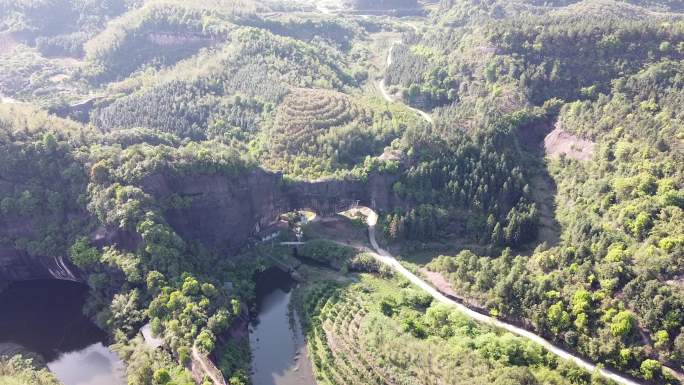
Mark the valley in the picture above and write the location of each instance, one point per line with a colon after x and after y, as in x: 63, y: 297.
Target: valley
x: 237, y: 192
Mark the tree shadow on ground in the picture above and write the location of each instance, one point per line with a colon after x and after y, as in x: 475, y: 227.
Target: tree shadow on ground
x: 543, y: 188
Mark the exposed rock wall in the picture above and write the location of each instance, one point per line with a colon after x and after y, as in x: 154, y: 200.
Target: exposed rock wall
x: 224, y: 212
x: 560, y: 142
x: 221, y: 212
x: 392, y: 7
x: 17, y: 265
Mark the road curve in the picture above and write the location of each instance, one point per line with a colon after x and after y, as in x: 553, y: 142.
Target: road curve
x: 387, y: 258
x: 388, y: 97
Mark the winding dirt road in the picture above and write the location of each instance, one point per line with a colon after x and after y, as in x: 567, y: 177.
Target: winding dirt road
x: 388, y: 97
x: 387, y: 258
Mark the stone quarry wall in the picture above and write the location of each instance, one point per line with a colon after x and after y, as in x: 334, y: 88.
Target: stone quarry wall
x: 221, y: 212
x: 224, y: 212
x: 17, y: 265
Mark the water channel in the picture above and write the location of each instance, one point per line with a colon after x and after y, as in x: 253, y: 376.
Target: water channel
x: 45, y: 317
x: 278, y: 346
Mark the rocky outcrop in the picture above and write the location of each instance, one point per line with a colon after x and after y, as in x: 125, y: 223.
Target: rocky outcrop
x: 17, y: 265
x: 121, y: 238
x: 219, y: 211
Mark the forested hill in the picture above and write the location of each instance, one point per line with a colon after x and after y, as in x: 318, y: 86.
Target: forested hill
x: 383, y: 4
x: 657, y: 5
x: 608, y: 76
x: 535, y: 151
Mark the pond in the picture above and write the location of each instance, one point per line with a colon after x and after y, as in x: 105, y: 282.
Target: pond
x: 45, y: 317
x: 278, y: 347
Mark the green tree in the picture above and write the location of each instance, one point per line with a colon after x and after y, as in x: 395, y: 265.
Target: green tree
x: 387, y: 306
x: 191, y: 286
x: 155, y: 280
x: 497, y: 235
x: 49, y: 141
x: 662, y: 339
x: 413, y: 91
x: 205, y: 341
x: 100, y: 172
x: 515, y: 376
x: 622, y: 323
x: 665, y: 47
x: 82, y: 254
x: 558, y: 317
x: 679, y: 344
x: 161, y: 376
x: 641, y: 224
x: 651, y: 369
x: 581, y: 302
x: 581, y: 322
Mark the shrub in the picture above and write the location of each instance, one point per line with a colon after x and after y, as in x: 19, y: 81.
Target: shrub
x: 622, y: 324
x: 651, y: 369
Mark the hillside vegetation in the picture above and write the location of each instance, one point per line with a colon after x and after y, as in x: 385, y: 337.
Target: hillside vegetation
x: 20, y: 371
x: 381, y: 331
x: 617, y: 84
x: 125, y: 122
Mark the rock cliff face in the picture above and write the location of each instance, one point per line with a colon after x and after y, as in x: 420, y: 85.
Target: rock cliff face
x: 221, y: 212
x: 401, y: 7
x: 17, y: 265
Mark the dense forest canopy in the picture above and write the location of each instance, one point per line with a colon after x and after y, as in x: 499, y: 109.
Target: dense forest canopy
x: 527, y: 154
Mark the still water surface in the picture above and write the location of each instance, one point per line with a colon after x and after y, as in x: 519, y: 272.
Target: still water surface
x: 278, y: 348
x: 45, y: 317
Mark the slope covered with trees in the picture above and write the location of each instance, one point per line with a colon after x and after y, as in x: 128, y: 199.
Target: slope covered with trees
x: 151, y: 272
x: 159, y: 33
x: 617, y: 84
x: 21, y: 371
x: 383, y: 331
x: 611, y: 287
x: 167, y: 91
x: 454, y: 175
x: 58, y: 27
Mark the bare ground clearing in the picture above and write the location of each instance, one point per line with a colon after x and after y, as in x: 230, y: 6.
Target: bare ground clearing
x: 559, y: 142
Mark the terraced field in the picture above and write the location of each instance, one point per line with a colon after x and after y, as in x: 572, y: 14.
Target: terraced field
x: 307, y: 113
x: 315, y: 133
x: 333, y: 347
x: 385, y: 332
x: 346, y: 351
